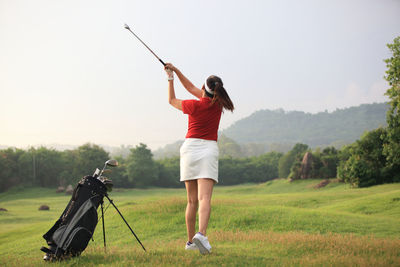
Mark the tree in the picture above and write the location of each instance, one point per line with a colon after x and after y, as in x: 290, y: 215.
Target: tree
x: 86, y: 159
x: 232, y: 171
x: 262, y: 168
x: 12, y: 170
x: 119, y: 175
x: 169, y: 172
x: 70, y: 173
x: 286, y: 162
x: 366, y: 164
x: 48, y: 166
x: 317, y: 164
x: 141, y: 169
x: 25, y: 163
x: 8, y: 176
x: 330, y: 159
x: 392, y: 147
x: 228, y: 147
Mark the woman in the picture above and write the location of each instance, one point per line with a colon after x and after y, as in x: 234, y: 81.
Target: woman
x: 199, y: 152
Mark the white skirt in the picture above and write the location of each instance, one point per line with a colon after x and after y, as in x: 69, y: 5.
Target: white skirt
x: 199, y: 159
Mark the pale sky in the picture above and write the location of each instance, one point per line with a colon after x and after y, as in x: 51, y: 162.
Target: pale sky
x: 70, y: 73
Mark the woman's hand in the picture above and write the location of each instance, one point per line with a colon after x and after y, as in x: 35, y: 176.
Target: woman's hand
x: 185, y: 82
x: 169, y: 69
x: 170, y: 66
x: 170, y: 74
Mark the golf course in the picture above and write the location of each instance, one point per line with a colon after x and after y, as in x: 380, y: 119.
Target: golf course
x: 278, y: 223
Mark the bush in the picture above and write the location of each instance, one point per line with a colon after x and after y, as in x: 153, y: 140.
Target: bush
x: 286, y: 162
x: 366, y: 164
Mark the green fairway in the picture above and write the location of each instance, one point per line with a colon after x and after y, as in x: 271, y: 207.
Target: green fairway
x: 272, y: 224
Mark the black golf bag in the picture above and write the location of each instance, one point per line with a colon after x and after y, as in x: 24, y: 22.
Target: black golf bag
x: 72, y: 232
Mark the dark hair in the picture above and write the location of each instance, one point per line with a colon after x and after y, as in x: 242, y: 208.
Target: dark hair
x: 220, y: 95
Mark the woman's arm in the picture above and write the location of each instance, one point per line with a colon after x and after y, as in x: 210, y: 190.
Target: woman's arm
x: 176, y: 103
x: 185, y: 81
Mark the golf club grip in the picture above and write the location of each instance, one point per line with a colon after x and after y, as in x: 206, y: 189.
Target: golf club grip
x: 162, y: 62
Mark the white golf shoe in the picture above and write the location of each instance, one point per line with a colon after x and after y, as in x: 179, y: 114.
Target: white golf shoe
x: 202, y: 243
x: 191, y: 246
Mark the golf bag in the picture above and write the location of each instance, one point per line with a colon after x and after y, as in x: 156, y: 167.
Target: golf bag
x: 72, y: 232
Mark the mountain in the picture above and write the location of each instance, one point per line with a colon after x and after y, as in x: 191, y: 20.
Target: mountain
x: 278, y: 130
x: 342, y: 126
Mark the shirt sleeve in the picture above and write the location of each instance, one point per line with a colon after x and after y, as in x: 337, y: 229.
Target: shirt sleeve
x: 189, y: 106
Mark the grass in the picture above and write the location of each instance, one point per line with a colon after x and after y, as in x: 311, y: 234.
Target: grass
x: 272, y: 224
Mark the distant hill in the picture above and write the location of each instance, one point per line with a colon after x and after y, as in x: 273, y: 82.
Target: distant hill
x: 339, y: 127
x: 278, y: 130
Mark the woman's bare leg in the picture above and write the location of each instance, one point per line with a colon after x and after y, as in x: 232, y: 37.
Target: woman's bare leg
x: 191, y: 208
x: 205, y: 188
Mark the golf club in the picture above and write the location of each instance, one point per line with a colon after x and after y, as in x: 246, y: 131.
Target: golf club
x: 127, y: 27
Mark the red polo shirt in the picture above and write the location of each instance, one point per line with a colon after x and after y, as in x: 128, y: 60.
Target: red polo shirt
x: 204, y: 118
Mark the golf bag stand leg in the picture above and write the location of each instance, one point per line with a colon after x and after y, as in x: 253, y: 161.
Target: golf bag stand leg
x: 125, y: 221
x: 104, y: 229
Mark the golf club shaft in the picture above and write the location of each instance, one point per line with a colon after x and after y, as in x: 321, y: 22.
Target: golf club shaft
x: 162, y: 62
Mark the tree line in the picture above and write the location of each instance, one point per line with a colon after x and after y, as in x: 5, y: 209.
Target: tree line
x: 47, y: 167
x: 360, y: 164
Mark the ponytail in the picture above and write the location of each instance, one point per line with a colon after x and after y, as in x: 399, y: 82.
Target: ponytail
x: 220, y: 95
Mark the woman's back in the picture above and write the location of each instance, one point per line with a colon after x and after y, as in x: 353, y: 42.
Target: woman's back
x: 204, y: 118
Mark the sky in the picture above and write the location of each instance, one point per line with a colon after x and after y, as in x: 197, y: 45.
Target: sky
x: 70, y: 73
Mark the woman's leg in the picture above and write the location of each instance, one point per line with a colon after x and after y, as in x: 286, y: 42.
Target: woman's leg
x: 191, y: 208
x: 205, y: 187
